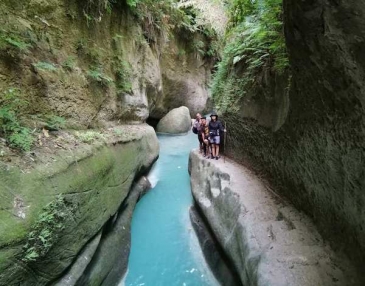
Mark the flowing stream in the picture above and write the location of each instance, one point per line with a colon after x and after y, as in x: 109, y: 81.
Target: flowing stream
x: 165, y: 250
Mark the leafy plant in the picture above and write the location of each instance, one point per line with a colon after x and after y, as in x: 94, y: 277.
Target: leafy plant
x: 97, y: 75
x: 13, y: 40
x: 55, y: 122
x: 45, y: 66
x: 21, y: 137
x: 199, y: 46
x: 69, y: 64
x: 89, y: 136
x: 255, y: 43
x: 123, y: 71
x: 46, y: 230
x: 157, y: 18
x: 94, y: 10
x: 94, y: 55
x: 13, y: 106
x: 81, y: 45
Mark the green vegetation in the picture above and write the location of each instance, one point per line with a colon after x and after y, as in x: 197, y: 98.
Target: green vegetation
x: 55, y: 122
x: 200, y: 36
x: 46, y: 229
x: 11, y: 40
x: 45, y: 66
x: 95, y: 55
x: 89, y: 136
x: 156, y: 16
x: 94, y: 10
x: 13, y: 106
x: 96, y: 74
x: 158, y: 19
x: 14, y: 112
x: 254, y: 44
x: 69, y: 64
x: 123, y: 72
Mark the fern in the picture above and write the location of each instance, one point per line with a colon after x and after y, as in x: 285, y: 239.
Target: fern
x: 12, y: 106
x: 45, y: 66
x: 255, y: 42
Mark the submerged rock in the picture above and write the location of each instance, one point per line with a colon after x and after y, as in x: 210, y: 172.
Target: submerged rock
x: 176, y: 121
x: 268, y: 241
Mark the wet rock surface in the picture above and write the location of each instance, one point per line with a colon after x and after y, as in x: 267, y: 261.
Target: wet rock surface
x: 222, y: 268
x: 269, y: 242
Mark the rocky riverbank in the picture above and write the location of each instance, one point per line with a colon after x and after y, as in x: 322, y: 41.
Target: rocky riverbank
x: 267, y: 240
x: 73, y: 204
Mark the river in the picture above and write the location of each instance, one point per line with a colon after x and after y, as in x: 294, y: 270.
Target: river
x: 165, y: 250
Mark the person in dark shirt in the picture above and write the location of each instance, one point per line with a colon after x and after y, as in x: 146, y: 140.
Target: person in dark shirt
x: 216, y: 129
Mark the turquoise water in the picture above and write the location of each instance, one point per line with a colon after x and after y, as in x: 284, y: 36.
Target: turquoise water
x: 165, y: 250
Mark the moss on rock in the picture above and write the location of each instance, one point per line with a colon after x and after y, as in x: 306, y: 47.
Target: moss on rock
x: 94, y: 180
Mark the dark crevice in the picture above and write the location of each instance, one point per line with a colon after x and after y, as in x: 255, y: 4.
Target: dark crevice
x: 153, y: 121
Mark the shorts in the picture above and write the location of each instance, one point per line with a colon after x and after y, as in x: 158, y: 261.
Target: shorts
x: 216, y: 140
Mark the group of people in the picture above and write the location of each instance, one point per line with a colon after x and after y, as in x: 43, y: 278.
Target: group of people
x: 209, y: 135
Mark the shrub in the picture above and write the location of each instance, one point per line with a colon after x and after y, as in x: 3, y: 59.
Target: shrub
x: 157, y: 17
x: 255, y: 42
x: 13, y: 106
x: 55, y: 122
x: 13, y: 40
x: 45, y: 66
x: 69, y: 64
x: 123, y: 71
x: 46, y: 230
x: 89, y: 136
x: 96, y: 74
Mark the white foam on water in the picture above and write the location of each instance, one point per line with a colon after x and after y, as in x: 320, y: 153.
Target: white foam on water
x: 154, y: 176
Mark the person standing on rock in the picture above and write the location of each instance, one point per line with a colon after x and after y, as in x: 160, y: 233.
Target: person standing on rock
x: 216, y: 129
x: 196, y: 130
x: 204, y: 129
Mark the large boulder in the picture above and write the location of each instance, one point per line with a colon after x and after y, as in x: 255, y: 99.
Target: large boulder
x: 176, y: 121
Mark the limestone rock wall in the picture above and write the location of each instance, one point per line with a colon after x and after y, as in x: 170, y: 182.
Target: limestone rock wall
x: 96, y: 72
x: 312, y: 147
x: 39, y: 238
